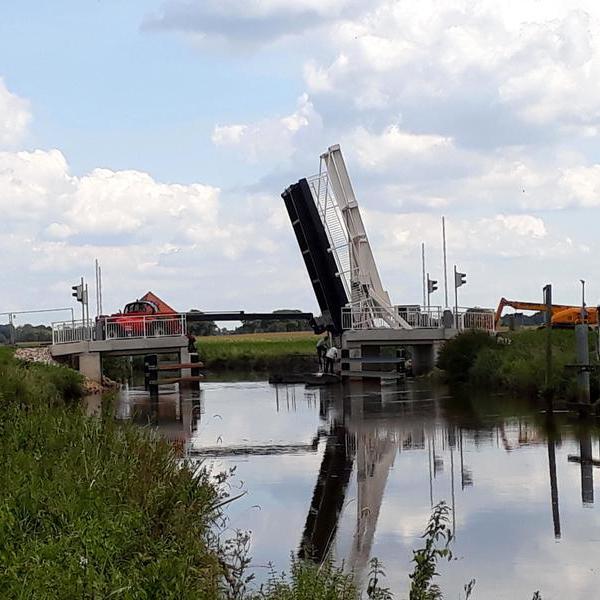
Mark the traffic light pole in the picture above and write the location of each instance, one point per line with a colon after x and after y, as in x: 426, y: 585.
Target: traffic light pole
x: 455, y: 299
x: 428, y: 294
x: 82, y: 304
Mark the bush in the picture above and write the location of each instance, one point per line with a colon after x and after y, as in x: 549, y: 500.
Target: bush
x: 519, y: 365
x: 459, y: 354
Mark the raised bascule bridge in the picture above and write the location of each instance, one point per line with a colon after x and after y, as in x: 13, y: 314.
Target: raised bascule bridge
x: 372, y: 332
x: 355, y: 307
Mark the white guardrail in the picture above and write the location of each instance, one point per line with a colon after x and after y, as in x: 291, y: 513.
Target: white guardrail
x: 119, y: 327
x: 419, y: 317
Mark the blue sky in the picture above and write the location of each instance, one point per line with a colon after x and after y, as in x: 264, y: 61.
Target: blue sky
x: 115, y: 95
x: 158, y: 136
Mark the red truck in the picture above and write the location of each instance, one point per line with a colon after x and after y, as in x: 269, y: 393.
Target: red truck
x: 148, y: 316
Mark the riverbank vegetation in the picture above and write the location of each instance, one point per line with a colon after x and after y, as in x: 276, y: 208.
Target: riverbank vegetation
x: 515, y: 362
x: 90, y: 508
x: 95, y: 508
x: 259, y: 351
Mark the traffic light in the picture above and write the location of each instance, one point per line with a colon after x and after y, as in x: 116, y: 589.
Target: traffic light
x: 459, y: 279
x: 432, y: 285
x: 77, y: 292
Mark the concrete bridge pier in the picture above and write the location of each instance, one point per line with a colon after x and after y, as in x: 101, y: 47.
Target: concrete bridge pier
x: 184, y: 357
x: 90, y: 365
x: 88, y: 354
x: 364, y: 347
x: 425, y: 356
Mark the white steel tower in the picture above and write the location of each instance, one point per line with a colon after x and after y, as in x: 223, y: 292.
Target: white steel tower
x: 370, y: 304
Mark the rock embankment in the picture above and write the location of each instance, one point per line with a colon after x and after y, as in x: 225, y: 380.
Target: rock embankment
x: 42, y: 355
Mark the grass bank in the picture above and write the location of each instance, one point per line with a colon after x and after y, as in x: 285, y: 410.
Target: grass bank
x: 90, y: 508
x: 516, y: 362
x: 259, y: 351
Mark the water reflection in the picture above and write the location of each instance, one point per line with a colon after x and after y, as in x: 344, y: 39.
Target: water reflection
x: 353, y: 472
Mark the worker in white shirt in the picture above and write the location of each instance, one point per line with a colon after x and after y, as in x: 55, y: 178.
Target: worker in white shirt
x: 330, y: 358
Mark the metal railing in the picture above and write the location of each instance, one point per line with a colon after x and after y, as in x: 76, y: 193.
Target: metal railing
x: 418, y: 317
x: 363, y: 316
x: 119, y: 327
x: 480, y: 319
x: 122, y: 326
x: 335, y: 227
x: 68, y: 332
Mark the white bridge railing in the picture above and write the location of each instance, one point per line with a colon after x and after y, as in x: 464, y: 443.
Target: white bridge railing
x: 419, y: 317
x: 67, y: 332
x: 119, y: 327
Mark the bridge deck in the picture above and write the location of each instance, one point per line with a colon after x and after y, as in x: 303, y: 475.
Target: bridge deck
x: 123, y: 346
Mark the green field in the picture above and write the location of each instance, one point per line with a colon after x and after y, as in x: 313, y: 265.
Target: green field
x: 258, y: 351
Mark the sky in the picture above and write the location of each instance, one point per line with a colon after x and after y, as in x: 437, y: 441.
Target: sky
x: 157, y: 136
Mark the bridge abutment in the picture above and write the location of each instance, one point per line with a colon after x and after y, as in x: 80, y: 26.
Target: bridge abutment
x: 90, y: 365
x: 363, y: 349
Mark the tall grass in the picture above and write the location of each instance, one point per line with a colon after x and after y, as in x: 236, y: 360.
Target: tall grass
x: 93, y: 509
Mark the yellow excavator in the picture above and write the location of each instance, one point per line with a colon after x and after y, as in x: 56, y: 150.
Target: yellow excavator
x: 563, y: 315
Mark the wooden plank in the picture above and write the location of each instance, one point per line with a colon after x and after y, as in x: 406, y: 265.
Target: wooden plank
x: 168, y: 380
x: 177, y: 366
x: 374, y: 374
x: 383, y: 360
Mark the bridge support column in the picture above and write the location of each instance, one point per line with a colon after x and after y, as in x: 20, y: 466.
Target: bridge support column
x: 184, y: 357
x: 90, y: 365
x: 423, y: 358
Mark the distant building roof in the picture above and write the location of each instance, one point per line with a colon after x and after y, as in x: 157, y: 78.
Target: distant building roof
x: 162, y: 306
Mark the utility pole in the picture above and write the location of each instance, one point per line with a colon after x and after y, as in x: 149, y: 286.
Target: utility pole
x: 100, y: 286
x: 445, y: 269
x: 548, y: 303
x: 11, y: 327
x: 423, y: 268
x: 97, y: 288
x: 582, y: 349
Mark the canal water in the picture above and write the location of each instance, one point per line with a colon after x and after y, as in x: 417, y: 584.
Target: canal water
x: 353, y: 472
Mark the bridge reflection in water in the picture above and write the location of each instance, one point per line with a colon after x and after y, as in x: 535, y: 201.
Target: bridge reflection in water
x: 359, y: 433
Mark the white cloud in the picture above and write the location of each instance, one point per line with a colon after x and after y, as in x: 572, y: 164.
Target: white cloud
x: 58, y: 231
x: 581, y: 186
x: 501, y: 235
x: 14, y: 117
x: 272, y: 139
x: 33, y: 183
x: 385, y: 150
x: 540, y: 61
x: 108, y: 202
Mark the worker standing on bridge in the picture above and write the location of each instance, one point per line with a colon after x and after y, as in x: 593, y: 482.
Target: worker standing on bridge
x: 330, y: 358
x: 191, y: 342
x: 322, y: 346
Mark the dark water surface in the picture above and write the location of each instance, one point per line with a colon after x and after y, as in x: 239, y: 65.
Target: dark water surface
x: 354, y: 472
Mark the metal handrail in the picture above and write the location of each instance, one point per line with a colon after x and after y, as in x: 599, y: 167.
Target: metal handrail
x: 119, y: 327
x: 418, y: 317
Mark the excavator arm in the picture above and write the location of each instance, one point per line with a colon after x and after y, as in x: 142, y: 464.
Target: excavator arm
x: 520, y: 305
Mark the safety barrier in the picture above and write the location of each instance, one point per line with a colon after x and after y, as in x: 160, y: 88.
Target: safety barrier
x: 419, y: 317
x: 68, y: 332
x: 119, y: 327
